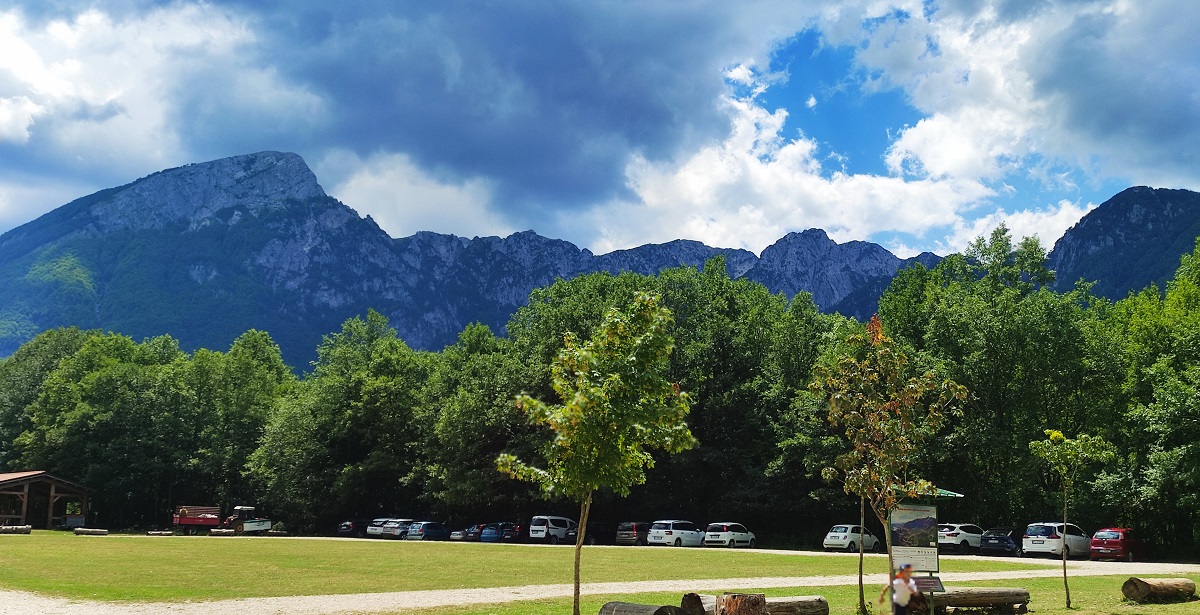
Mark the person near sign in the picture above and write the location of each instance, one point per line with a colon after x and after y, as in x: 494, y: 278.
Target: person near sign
x: 903, y: 589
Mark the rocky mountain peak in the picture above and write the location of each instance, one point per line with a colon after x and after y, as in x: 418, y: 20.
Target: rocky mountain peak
x: 196, y: 194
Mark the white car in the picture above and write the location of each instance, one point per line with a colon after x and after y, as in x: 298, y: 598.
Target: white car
x: 848, y: 537
x: 728, y: 534
x: 961, y: 537
x: 545, y: 528
x: 1049, y: 537
x: 375, y: 529
x: 675, y: 532
x: 396, y: 528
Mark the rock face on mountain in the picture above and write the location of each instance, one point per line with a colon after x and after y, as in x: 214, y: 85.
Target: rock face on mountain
x: 1132, y: 240
x: 207, y: 251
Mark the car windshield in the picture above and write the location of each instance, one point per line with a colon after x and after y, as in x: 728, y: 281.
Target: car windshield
x: 999, y: 531
x: 627, y: 526
x: 1040, y: 530
x: 379, y: 522
x: 661, y: 526
x: 1107, y: 535
x: 840, y: 529
x: 538, y: 522
x: 716, y: 528
x: 945, y: 528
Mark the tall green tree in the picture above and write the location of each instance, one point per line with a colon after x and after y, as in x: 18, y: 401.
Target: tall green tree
x: 617, y: 405
x: 1067, y: 459
x: 886, y: 413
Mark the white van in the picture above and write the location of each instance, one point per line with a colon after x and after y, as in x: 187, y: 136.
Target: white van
x: 545, y: 528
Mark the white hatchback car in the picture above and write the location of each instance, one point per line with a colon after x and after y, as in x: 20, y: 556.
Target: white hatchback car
x: 1049, y: 537
x: 848, y: 537
x: 961, y: 537
x: 675, y: 532
x: 728, y: 534
x: 375, y: 529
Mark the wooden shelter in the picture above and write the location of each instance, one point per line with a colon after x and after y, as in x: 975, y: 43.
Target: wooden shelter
x: 36, y: 498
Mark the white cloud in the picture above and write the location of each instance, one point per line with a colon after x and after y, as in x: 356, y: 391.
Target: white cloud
x: 1048, y: 225
x: 16, y: 116
x: 402, y: 199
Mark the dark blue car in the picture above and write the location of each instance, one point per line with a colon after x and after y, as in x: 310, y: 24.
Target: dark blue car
x: 427, y: 530
x: 492, y: 532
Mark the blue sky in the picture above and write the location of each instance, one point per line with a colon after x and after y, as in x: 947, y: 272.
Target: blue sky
x: 916, y: 124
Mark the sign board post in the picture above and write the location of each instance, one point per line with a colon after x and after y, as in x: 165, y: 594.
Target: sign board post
x: 914, y: 541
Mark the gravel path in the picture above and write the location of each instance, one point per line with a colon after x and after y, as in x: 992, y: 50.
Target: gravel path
x: 24, y: 603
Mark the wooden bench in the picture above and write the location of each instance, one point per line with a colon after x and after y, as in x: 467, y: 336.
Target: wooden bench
x: 996, y: 599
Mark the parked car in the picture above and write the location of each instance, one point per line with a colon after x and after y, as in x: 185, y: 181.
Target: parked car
x: 458, y: 535
x: 598, y: 533
x: 847, y: 537
x: 375, y: 529
x: 1001, y: 541
x: 1118, y: 543
x: 427, y: 530
x: 632, y: 532
x: 396, y: 528
x: 728, y: 534
x: 675, y: 532
x: 1050, y: 537
x: 546, y: 528
x: 961, y: 537
x: 473, y: 532
x: 353, y: 528
x: 514, y: 532
x: 491, y: 532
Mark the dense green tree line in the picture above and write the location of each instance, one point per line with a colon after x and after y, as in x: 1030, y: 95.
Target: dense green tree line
x: 378, y: 428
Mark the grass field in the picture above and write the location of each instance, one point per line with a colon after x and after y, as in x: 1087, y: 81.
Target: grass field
x: 137, y: 568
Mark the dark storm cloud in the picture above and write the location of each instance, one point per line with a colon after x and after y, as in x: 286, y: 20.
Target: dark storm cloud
x: 548, y: 100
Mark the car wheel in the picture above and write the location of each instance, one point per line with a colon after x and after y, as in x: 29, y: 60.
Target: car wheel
x: 731, y: 544
x: 875, y: 548
x: 964, y: 548
x: 640, y: 542
x: 678, y: 542
x: 1066, y: 552
x: 1129, y: 556
x: 751, y: 545
x: 851, y: 547
x: 553, y: 540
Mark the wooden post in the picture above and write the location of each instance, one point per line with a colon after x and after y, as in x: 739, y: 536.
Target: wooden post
x: 25, y: 506
x: 1158, y: 590
x: 741, y: 604
x: 50, y: 509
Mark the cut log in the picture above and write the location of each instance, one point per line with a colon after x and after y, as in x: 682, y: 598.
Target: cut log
x: 981, y: 597
x: 741, y: 604
x: 705, y: 604
x: 87, y: 531
x: 16, y: 529
x: 160, y: 533
x: 220, y: 532
x: 629, y: 608
x: 1159, y: 590
x: 276, y: 532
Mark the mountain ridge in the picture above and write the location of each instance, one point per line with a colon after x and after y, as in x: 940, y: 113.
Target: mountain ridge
x: 209, y: 250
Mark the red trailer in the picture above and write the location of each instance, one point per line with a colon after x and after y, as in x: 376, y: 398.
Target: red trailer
x: 194, y: 519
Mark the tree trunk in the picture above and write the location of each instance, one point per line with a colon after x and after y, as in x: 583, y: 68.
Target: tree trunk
x: 629, y: 608
x: 580, y: 536
x: 1155, y: 590
x: 983, y: 597
x: 741, y: 604
x: 1066, y: 587
x: 862, y: 547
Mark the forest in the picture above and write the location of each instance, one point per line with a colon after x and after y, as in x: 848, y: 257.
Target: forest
x: 375, y: 428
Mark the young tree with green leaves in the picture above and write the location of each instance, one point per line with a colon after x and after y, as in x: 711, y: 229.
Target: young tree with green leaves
x: 617, y: 405
x: 1067, y: 457
x: 887, y: 414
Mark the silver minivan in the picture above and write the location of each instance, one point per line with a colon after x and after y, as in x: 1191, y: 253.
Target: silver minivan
x: 546, y: 528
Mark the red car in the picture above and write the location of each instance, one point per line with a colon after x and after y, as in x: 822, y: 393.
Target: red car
x: 1118, y: 543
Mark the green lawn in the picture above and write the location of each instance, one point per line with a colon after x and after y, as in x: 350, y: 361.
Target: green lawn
x: 203, y: 568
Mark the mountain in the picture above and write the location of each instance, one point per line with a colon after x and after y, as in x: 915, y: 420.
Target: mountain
x: 207, y: 251
x: 1130, y: 241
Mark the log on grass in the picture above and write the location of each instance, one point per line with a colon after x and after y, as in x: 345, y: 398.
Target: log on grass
x: 980, y: 597
x: 705, y: 604
x: 276, y: 532
x: 87, y: 531
x: 1158, y: 590
x: 629, y: 608
x: 741, y: 604
x: 160, y: 533
x: 221, y: 532
x: 16, y: 529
